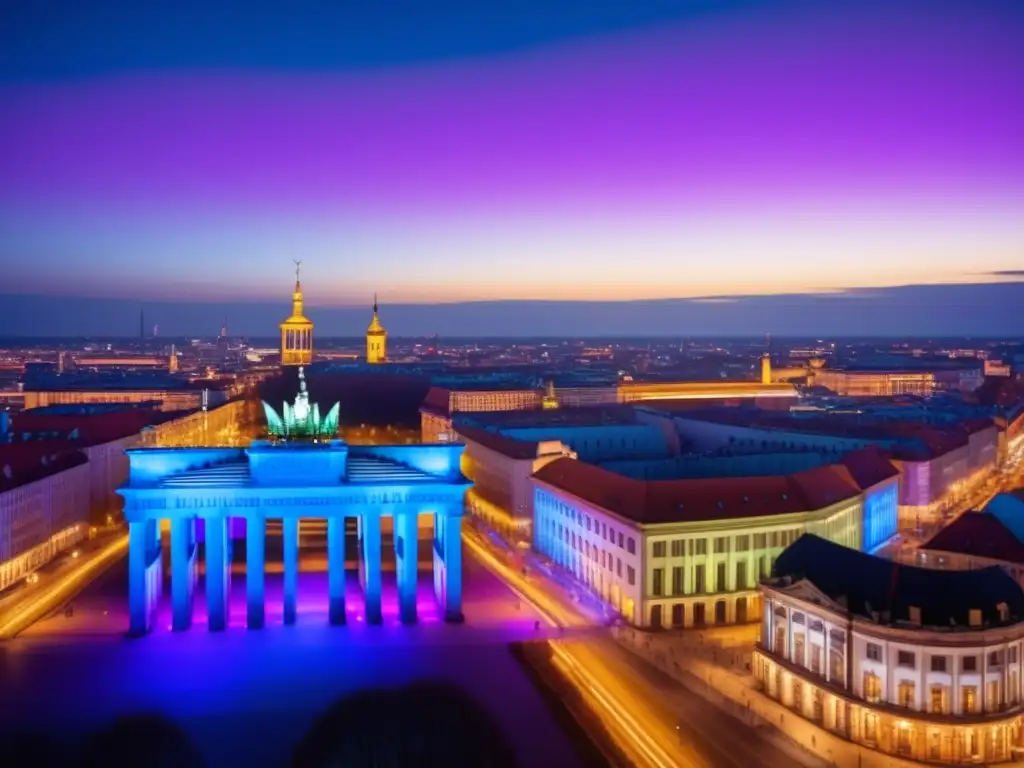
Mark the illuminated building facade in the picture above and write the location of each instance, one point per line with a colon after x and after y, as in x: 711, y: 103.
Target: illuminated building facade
x: 44, y: 505
x: 682, y: 553
x: 501, y: 469
x: 183, y: 399
x: 442, y: 403
x: 916, y: 663
x: 284, y: 481
x: 297, y: 330
x: 216, y: 426
x: 875, y: 383
x: 376, y: 339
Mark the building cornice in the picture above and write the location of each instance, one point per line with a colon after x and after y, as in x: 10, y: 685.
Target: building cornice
x: 800, y: 596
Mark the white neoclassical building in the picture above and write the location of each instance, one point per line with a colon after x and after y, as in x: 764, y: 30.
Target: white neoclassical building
x: 922, y: 664
x: 690, y: 552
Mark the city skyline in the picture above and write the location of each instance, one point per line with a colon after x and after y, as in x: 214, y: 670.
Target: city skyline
x: 937, y: 311
x: 621, y: 155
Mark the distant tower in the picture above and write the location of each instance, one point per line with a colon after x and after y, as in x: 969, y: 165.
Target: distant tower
x: 172, y: 361
x: 156, y: 330
x: 550, y: 398
x: 376, y: 339
x: 766, y: 363
x: 142, y: 323
x: 297, y: 330
x: 224, y: 329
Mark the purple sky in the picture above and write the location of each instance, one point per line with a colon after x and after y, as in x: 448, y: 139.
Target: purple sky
x: 794, y: 147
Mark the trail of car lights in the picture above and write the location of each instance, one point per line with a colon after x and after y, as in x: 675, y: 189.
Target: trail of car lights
x: 577, y: 674
x: 62, y: 588
x: 557, y: 616
x: 549, y: 609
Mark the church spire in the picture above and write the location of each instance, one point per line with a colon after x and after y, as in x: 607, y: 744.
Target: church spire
x: 297, y: 294
x: 376, y: 338
x: 296, y: 330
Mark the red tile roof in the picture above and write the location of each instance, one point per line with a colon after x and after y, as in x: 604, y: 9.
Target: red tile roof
x: 999, y: 390
x: 506, y: 446
x: 979, y: 534
x: 869, y: 466
x: 664, y: 501
x: 438, y: 400
x: 27, y: 462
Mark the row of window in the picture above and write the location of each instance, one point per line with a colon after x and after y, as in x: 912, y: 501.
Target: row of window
x: 700, y: 585
x: 908, y: 659
x: 724, y: 544
x: 939, y: 698
x: 607, y: 532
x: 594, y: 553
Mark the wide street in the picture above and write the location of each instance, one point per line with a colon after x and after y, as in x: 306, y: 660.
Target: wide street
x: 653, y: 719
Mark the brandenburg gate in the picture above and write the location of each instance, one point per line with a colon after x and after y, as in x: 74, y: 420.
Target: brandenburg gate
x: 288, y: 480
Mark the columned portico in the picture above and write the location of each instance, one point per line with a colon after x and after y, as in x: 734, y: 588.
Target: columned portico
x: 332, y: 481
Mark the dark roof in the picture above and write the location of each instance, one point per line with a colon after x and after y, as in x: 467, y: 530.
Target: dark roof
x: 90, y: 428
x: 904, y: 440
x: 438, y: 400
x: 867, y: 584
x: 585, y: 416
x: 667, y: 501
x: 29, y: 462
x: 979, y: 534
x: 507, y: 446
x: 869, y: 466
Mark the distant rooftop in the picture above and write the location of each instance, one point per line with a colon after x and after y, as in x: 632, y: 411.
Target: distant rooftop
x: 126, y: 382
x: 21, y: 464
x: 85, y: 429
x: 495, y: 441
x: 978, y: 534
x: 576, y: 417
x: 694, y: 499
x: 906, y: 440
x: 882, y: 591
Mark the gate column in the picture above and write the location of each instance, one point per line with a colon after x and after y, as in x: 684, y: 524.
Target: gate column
x: 448, y: 563
x: 369, y: 524
x: 183, y: 571
x: 405, y: 558
x: 336, y: 569
x: 145, y: 574
x: 218, y: 572
x: 290, y: 543
x: 255, y: 538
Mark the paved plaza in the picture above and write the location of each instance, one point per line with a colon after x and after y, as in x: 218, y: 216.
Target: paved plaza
x: 245, y: 697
